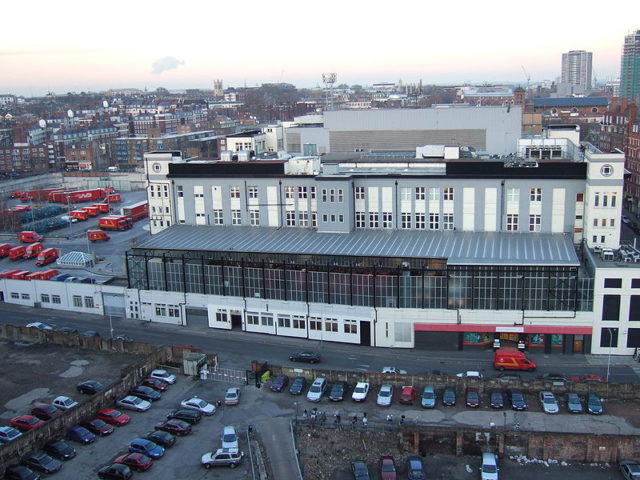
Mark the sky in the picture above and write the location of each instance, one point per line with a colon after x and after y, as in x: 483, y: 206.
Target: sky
x: 77, y: 46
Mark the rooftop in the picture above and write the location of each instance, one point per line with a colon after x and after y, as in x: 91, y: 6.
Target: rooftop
x: 571, y: 102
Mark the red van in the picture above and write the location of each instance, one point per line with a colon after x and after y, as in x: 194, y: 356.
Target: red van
x: 47, y: 256
x: 504, y: 359
x: 19, y: 275
x: 4, y: 249
x: 8, y: 273
x: 33, y: 250
x: 30, y: 237
x: 97, y: 236
x: 17, y: 253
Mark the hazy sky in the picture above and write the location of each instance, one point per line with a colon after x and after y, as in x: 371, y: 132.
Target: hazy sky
x: 72, y: 45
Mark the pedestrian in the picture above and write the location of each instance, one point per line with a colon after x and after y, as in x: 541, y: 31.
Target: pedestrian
x: 338, y: 418
x: 364, y: 421
x: 401, y: 419
x: 354, y: 420
x: 389, y: 418
x: 304, y: 414
x: 364, y: 414
x: 218, y: 404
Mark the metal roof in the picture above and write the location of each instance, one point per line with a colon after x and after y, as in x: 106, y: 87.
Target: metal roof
x: 460, y: 248
x: 571, y: 102
x: 75, y: 259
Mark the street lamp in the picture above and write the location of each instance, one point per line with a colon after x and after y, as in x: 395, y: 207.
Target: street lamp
x: 296, y: 404
x: 609, y: 357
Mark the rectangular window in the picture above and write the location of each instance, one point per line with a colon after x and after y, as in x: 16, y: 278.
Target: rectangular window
x: 447, y: 221
x: 612, y: 222
x: 374, y: 220
x: 55, y: 299
x: 235, y: 192
x: 595, y: 222
x: 332, y: 195
x: 180, y: 191
x: 289, y: 192
x: 420, y: 221
x: 612, y: 283
x: 405, y: 221
x: 447, y: 194
x: 313, y: 193
x: 174, y: 311
x: 613, y: 200
x: 535, y: 223
x: 161, y: 309
x: 315, y: 323
x: 25, y: 296
x: 331, y: 324
x: 303, y: 219
x: 15, y: 295
x: 405, y: 193
x: 253, y: 192
x: 611, y: 307
x: 434, y: 194
x: 512, y: 222
x: 420, y: 193
x: 360, y: 221
x: 253, y: 318
x: 635, y: 283
x: 254, y: 217
x: 536, y: 195
x: 634, y: 308
x: 324, y: 194
x: 580, y: 197
x: 236, y: 218
x: 605, y: 199
x: 596, y: 200
x: 88, y: 302
x: 218, y: 219
x: 340, y: 195
x: 302, y: 192
x: 266, y: 320
x: 513, y: 194
x: 284, y: 321
x: 604, y: 222
x: 291, y: 218
x: 314, y: 219
x: 359, y: 192
x: 299, y: 322
x: 434, y: 221
x: 44, y: 298
x: 608, y: 337
x: 387, y: 220
x: 350, y: 326
x: 77, y: 301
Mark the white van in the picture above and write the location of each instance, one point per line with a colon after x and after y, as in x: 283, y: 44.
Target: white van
x: 489, y: 468
x: 317, y: 389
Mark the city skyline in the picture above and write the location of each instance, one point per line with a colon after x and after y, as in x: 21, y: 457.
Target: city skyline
x: 79, y: 48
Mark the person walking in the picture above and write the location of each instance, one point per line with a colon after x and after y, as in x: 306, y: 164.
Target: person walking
x: 389, y: 418
x: 364, y: 421
x: 401, y: 419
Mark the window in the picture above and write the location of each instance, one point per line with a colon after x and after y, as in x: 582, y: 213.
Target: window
x: 253, y: 192
x: 77, y: 301
x: 536, y: 195
x: 596, y: 200
x: 341, y: 218
x: 315, y: 323
x: 605, y: 201
x: 254, y: 217
x: 405, y: 220
x: 612, y: 283
x: 434, y: 194
x: 291, y: 218
x: 298, y: 321
x: 420, y: 193
x: 359, y: 192
x: 314, y: 219
x: 303, y: 219
x: 25, y: 296
x: 534, y: 223
x: 340, y: 195
x: 360, y: 222
x: 266, y: 320
x: 88, y: 302
x: 180, y: 191
x: 161, y: 309
x: 55, y: 299
x: 612, y: 222
x: 420, y: 221
x: 289, y: 192
x: 235, y: 192
x: 325, y: 217
x: 198, y: 193
x: 613, y: 200
x: 350, y: 326
x: 313, y: 193
x: 373, y: 220
x: 434, y: 221
x: 332, y: 195
x: 611, y: 307
x: 387, y: 220
x: 333, y: 218
x: 608, y: 337
x: 447, y: 194
x: 284, y: 321
x: 253, y: 318
x: 221, y: 315
x: 217, y: 217
x: 513, y: 194
x: 405, y: 193
x: 635, y: 283
x: 44, y: 298
x: 324, y: 194
x: 580, y: 197
x: 447, y: 221
x: 595, y: 222
x: 302, y: 192
x: 512, y: 222
x: 331, y: 324
x: 15, y: 295
x: 236, y: 218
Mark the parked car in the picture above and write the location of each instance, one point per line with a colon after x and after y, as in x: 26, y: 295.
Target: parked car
x: 117, y: 471
x: 496, y: 399
x: 45, y: 411
x: 198, y: 404
x: 232, y: 397
x: 59, y: 449
x: 25, y: 422
x: 113, y: 417
x: 20, y: 472
x: 145, y: 393
x: 97, y: 427
x: 174, y: 426
x: 337, y: 391
x: 360, y: 470
x: 449, y: 397
x: 574, y: 404
x: 64, y: 403
x: 589, y: 378
x: 508, y: 376
x: 229, y: 437
x: 553, y: 377
x: 8, y: 433
x: 429, y: 397
x: 146, y: 447
x: 41, y: 462
x: 472, y: 398
x: 415, y: 468
x: 189, y: 416
x: 138, y: 462
x: 308, y: 357
x: 278, y: 384
x: 407, y: 395
x: 86, y: 333
x: 516, y: 397
x: 489, y: 468
x: 385, y: 395
x: 223, y: 457
x: 90, y: 387
x: 131, y: 402
x: 630, y: 470
x: 548, y: 402
x: 40, y: 326
x: 469, y: 374
x: 80, y: 435
x: 155, y: 383
x: 388, y: 468
x: 317, y: 389
x: 160, y: 437
x: 394, y: 370
x: 163, y: 375
x: 360, y: 392
x: 594, y: 404
x: 298, y: 386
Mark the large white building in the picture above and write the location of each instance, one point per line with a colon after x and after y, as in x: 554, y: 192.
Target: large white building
x: 576, y: 69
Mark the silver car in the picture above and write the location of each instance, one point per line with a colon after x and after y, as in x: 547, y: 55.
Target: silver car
x: 549, y: 402
x: 385, y: 395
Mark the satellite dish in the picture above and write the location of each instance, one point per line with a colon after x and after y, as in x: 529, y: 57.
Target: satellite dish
x: 43, y: 123
x: 70, y: 113
x: 105, y: 104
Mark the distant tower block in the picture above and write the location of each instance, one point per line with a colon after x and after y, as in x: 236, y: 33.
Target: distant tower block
x: 329, y: 79
x: 218, y: 91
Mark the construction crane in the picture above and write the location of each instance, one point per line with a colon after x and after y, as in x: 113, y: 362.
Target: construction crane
x: 527, y: 76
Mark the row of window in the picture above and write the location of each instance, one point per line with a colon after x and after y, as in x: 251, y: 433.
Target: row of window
x: 617, y: 283
x: 602, y: 222
x: 604, y: 200
x: 513, y: 219
x: 299, y: 322
x: 156, y: 190
x: 162, y: 309
x: 611, y: 308
x: 513, y: 194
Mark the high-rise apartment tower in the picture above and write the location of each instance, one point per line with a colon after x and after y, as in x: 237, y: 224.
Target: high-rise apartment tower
x: 576, y: 68
x: 630, y: 67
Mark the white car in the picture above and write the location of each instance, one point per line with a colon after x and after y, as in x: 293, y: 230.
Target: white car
x: 625, y: 219
x: 549, y: 402
x: 469, y: 374
x: 196, y: 403
x: 360, y: 392
x: 393, y: 370
x: 232, y: 397
x: 64, y: 403
x: 69, y: 218
x: 385, y: 395
x: 163, y: 375
x: 131, y: 402
x: 39, y: 326
x: 229, y: 438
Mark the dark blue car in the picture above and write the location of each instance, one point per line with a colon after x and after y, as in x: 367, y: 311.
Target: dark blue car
x: 298, y: 386
x: 146, y: 447
x: 81, y: 435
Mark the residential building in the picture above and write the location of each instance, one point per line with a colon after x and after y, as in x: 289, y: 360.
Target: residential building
x: 576, y: 68
x: 630, y: 67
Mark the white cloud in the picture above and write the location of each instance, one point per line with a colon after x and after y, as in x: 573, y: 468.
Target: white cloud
x: 165, y: 63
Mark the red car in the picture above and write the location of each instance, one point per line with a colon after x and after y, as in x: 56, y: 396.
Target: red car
x: 45, y: 411
x: 97, y: 427
x: 26, y: 422
x: 387, y: 468
x: 156, y: 384
x: 113, y: 417
x: 590, y: 377
x: 135, y: 461
x: 177, y: 427
x: 408, y: 395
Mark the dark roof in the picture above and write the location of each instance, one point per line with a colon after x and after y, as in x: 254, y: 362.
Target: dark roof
x: 221, y: 168
x: 571, y: 102
x: 460, y: 248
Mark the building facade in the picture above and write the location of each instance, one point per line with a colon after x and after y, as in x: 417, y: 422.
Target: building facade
x: 576, y: 68
x: 630, y: 67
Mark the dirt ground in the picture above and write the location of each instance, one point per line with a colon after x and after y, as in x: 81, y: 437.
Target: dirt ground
x: 32, y: 373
